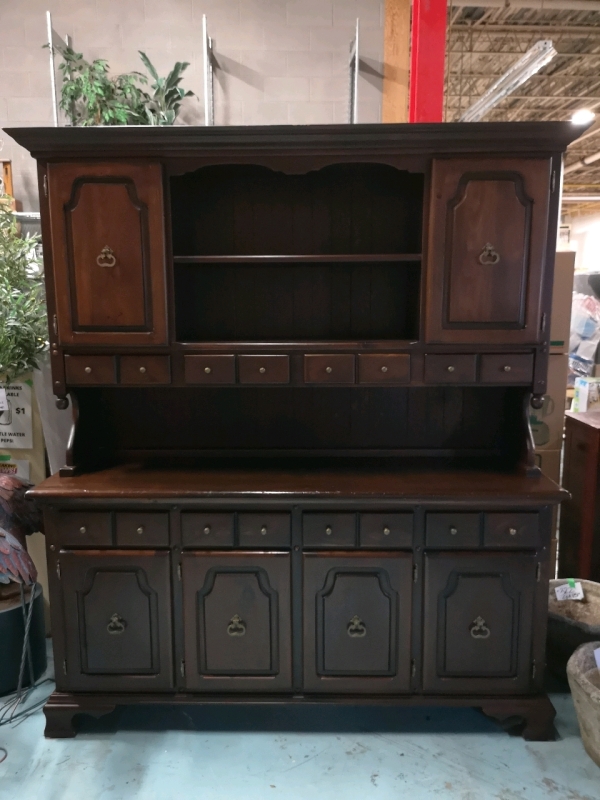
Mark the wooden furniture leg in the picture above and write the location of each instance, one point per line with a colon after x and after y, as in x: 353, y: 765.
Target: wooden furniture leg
x: 60, y: 711
x: 538, y: 714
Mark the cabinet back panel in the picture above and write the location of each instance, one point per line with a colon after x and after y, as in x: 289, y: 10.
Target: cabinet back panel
x: 455, y: 419
x: 283, y: 302
x: 252, y: 210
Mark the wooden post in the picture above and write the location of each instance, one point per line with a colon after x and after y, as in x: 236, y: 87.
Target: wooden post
x: 396, y: 57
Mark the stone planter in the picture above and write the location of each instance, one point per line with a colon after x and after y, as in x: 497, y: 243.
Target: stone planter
x: 570, y: 624
x: 584, y: 680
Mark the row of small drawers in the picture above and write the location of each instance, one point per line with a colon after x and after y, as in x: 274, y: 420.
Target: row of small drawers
x: 320, y: 530
x: 334, y: 368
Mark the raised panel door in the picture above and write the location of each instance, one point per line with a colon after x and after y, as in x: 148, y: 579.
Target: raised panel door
x: 478, y: 622
x: 237, y: 621
x: 108, y: 252
x: 117, y: 608
x: 357, y: 612
x: 487, y: 248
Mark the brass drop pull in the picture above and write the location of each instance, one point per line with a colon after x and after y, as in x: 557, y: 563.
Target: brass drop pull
x: 236, y: 627
x: 106, y: 257
x: 356, y: 628
x: 478, y: 629
x: 116, y: 625
x: 488, y: 255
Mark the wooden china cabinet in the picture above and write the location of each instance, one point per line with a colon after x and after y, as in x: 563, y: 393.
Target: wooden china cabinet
x: 299, y: 361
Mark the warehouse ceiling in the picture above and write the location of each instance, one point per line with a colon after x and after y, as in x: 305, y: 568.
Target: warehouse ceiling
x: 484, y: 41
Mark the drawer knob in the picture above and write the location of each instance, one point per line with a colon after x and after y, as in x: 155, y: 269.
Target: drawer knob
x: 116, y: 624
x: 87, y: 370
x: 453, y: 530
x: 507, y: 368
x: 386, y: 531
x: 236, y: 627
x: 263, y: 530
x: 329, y: 530
x: 207, y: 529
x: 450, y: 368
x: 384, y: 369
x: 356, y: 628
x: 208, y: 370
x: 512, y: 531
x: 83, y: 529
x: 262, y: 370
x: 478, y: 629
x: 140, y: 530
x: 328, y: 370
x: 142, y: 370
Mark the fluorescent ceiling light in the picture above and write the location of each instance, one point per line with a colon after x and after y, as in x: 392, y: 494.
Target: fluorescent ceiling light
x: 583, y: 116
x: 531, y: 62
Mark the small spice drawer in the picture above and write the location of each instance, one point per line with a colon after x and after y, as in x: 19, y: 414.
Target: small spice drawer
x: 511, y: 530
x: 90, y: 370
x: 502, y: 368
x: 329, y: 530
x: 84, y: 528
x: 441, y: 368
x: 206, y: 529
x: 143, y: 370
x: 142, y: 529
x: 446, y: 531
x: 383, y: 368
x: 264, y: 369
x: 264, y: 530
x: 334, y: 368
x: 386, y: 531
x: 209, y: 369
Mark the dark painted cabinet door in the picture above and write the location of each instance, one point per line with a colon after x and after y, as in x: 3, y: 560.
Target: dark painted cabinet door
x: 117, y: 608
x: 478, y: 622
x: 237, y: 621
x: 357, y: 622
x: 487, y: 248
x: 108, y: 252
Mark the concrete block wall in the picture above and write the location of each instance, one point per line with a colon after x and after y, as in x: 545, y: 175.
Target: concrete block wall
x: 279, y: 61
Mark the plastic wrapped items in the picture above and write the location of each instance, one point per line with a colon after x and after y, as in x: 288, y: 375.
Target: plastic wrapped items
x: 585, y: 336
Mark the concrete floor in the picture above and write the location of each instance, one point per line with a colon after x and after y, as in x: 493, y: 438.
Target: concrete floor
x: 295, y: 753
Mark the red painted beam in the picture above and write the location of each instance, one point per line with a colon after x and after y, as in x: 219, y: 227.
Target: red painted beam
x: 427, y: 60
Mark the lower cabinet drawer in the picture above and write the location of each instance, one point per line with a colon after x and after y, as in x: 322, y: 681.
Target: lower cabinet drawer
x: 386, y: 531
x: 207, y: 529
x: 90, y: 370
x: 209, y: 369
x: 83, y: 528
x: 264, y: 369
x: 329, y: 530
x: 237, y: 621
x: 478, y: 622
x: 450, y: 368
x: 507, y: 368
x: 357, y: 622
x: 142, y: 529
x: 264, y: 530
x: 334, y: 368
x: 144, y: 370
x: 449, y: 530
x: 383, y: 368
x: 117, y: 631
x: 507, y: 530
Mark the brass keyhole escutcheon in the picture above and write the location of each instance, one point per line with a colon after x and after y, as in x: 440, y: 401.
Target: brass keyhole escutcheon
x: 236, y: 627
x: 488, y: 255
x: 478, y: 629
x: 116, y: 625
x: 356, y: 628
x: 106, y: 257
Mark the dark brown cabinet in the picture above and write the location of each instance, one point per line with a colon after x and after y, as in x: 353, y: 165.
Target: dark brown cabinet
x: 237, y: 621
x: 117, y: 608
x: 357, y: 622
x: 478, y: 622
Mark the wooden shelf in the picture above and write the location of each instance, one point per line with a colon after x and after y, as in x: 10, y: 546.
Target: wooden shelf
x: 298, y: 259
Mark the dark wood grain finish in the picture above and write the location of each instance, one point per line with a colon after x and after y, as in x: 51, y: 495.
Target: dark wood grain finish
x: 90, y: 370
x: 382, y: 368
x: 448, y: 531
x: 209, y: 369
x: 329, y: 530
x: 142, y: 529
x: 387, y: 531
x: 454, y: 368
x: 144, y: 370
x: 265, y: 530
x: 264, y: 369
x: 83, y: 528
x: 511, y: 530
x: 331, y: 368
x: 506, y: 368
x: 207, y: 529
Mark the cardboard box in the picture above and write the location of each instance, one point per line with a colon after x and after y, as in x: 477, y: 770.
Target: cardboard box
x: 562, y: 299
x: 547, y: 422
x: 587, y: 395
x: 549, y: 462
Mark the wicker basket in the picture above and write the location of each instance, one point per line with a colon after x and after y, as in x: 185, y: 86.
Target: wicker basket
x: 584, y: 680
x: 570, y: 624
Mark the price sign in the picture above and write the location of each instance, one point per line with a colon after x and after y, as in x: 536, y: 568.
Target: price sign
x: 16, y: 432
x: 569, y: 591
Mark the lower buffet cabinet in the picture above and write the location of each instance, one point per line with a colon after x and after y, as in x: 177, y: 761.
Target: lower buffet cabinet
x: 356, y: 617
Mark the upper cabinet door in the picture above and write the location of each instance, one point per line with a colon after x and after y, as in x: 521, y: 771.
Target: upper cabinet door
x: 486, y: 250
x: 108, y: 252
